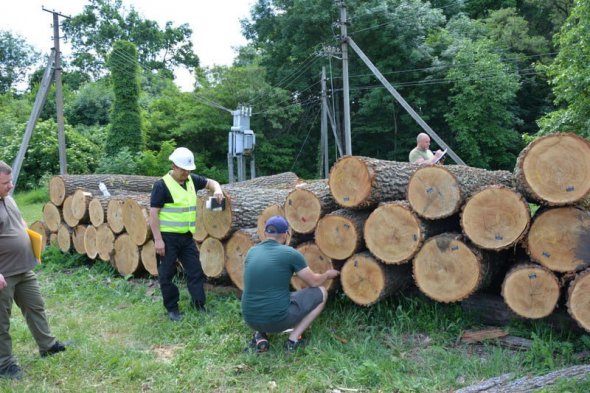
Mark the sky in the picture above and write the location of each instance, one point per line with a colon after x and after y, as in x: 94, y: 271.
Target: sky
x: 215, y: 24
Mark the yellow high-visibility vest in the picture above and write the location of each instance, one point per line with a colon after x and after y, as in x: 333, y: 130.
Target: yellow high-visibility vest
x: 181, y: 215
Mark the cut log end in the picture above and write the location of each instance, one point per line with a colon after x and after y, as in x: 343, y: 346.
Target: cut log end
x: 363, y: 279
x: 317, y: 261
x: 127, y: 255
x: 273, y: 210
x: 350, y: 182
x: 236, y: 248
x: 148, y: 258
x: 578, y: 302
x: 218, y: 224
x: 212, y: 256
x: 337, y: 237
x: 434, y: 192
x: 302, y: 210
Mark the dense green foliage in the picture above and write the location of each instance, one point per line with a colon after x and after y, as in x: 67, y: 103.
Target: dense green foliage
x: 485, y: 75
x: 125, y: 130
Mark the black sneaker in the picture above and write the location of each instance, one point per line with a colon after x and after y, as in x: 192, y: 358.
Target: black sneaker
x: 292, y: 346
x: 55, y: 348
x: 12, y: 371
x: 175, y: 316
x: 261, y: 342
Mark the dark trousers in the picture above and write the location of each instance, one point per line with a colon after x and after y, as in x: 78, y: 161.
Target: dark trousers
x: 183, y: 248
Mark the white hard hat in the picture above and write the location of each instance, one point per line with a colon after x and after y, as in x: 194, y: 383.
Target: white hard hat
x: 183, y: 158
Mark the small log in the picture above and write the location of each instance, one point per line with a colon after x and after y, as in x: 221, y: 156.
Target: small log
x: 362, y: 182
x: 115, y: 215
x: 62, y: 186
x: 126, y: 257
x: 78, y: 239
x: 90, y: 244
x: 340, y: 234
x: 236, y: 248
x: 97, y: 209
x: 148, y: 258
x: 67, y: 213
x: 306, y: 204
x: 270, y: 211
x: 366, y: 281
x: 447, y: 269
x: 53, y: 239
x: 64, y: 238
x: 41, y: 229
x: 80, y: 201
x: 136, y: 219
x: 578, y: 299
x: 200, y: 231
x: 495, y: 218
x: 212, y: 255
x: 546, y: 173
x: 554, y: 238
x: 393, y: 233
x: 318, y: 262
x: 243, y: 205
x: 52, y: 216
x: 105, y: 242
x: 531, y: 291
x: 436, y: 191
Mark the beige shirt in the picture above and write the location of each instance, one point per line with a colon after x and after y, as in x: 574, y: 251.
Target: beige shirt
x: 416, y: 154
x: 16, y: 255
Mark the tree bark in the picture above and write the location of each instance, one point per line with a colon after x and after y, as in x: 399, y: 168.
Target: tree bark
x: 437, y: 191
x: 340, y: 234
x: 52, y: 216
x: 243, y: 205
x: 318, y: 262
x: 126, y: 257
x: 285, y: 180
x: 495, y: 218
x: 148, y: 258
x: 212, y: 255
x: 554, y: 237
x: 578, y: 299
x: 366, y: 281
x: 362, y: 182
x: 236, y: 249
x: 554, y: 170
x: 531, y: 291
x: 136, y: 218
x: 105, y: 242
x: 306, y: 204
x: 447, y: 269
x: 62, y: 186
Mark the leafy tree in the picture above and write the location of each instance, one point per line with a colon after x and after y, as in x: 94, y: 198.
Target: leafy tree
x: 16, y: 59
x: 125, y: 128
x: 90, y: 105
x: 93, y: 33
x: 545, y: 16
x: 569, y: 75
x: 483, y: 89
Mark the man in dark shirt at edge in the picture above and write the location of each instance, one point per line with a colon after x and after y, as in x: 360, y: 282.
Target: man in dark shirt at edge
x: 173, y: 215
x: 267, y: 304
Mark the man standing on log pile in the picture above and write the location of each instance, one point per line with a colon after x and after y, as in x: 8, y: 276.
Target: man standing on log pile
x: 18, y: 282
x: 173, y: 215
x: 421, y: 154
x: 267, y: 304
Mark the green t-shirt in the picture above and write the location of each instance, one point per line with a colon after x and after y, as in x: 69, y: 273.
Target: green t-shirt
x: 416, y: 154
x: 268, y: 269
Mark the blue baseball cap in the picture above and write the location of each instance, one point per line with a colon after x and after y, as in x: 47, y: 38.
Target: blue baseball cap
x: 276, y: 224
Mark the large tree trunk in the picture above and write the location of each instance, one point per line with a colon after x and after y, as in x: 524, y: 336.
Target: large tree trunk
x: 285, y: 180
x: 308, y: 203
x: 52, y: 216
x: 447, y: 269
x: 318, y: 262
x: 437, y: 191
x: 554, y: 237
x: 578, y: 299
x: 136, y: 218
x: 554, y: 170
x: 105, y: 242
x: 366, y: 281
x: 531, y: 291
x: 243, y: 205
x: 148, y: 258
x: 212, y: 255
x: 236, y: 248
x: 126, y: 257
x: 495, y: 218
x: 362, y: 182
x: 340, y: 234
x: 62, y: 186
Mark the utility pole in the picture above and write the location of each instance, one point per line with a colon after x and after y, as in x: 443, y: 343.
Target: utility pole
x: 345, y: 86
x: 59, y: 99
x: 324, y: 125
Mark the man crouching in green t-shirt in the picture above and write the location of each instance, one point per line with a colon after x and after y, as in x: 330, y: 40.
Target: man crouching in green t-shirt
x: 267, y: 304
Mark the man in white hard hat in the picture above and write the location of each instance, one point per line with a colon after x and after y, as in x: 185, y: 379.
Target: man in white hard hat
x: 173, y: 216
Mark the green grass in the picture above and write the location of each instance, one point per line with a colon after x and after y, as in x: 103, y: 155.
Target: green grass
x: 31, y: 204
x: 120, y: 340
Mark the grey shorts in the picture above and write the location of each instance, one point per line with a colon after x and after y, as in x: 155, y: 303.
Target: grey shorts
x: 302, y: 303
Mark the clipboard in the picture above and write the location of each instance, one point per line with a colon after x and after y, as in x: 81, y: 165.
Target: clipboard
x: 36, y: 243
x: 441, y: 156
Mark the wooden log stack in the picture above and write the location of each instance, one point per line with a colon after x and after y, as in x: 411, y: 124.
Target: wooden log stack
x: 452, y: 231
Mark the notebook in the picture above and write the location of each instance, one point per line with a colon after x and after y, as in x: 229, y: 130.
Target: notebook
x: 36, y: 243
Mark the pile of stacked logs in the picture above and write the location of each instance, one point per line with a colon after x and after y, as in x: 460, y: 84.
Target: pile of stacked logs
x: 449, y: 230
